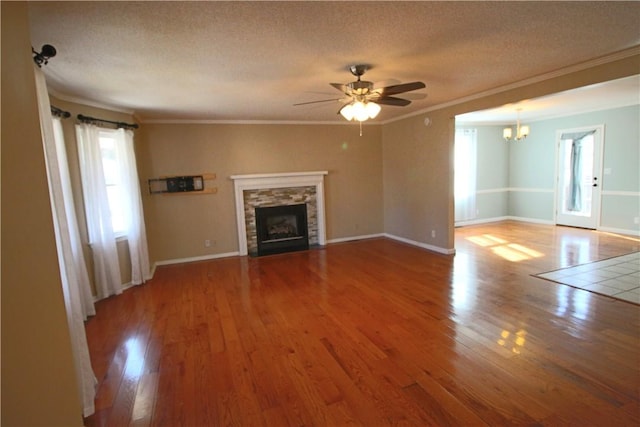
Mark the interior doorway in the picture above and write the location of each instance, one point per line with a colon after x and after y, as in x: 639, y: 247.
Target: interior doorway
x: 578, y: 179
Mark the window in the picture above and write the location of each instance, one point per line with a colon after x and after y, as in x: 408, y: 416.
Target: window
x: 112, y: 204
x: 109, y: 181
x: 112, y: 164
x: 465, y: 174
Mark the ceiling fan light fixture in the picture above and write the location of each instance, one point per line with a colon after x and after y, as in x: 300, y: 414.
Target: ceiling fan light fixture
x: 347, y: 112
x: 372, y: 109
x: 360, y: 111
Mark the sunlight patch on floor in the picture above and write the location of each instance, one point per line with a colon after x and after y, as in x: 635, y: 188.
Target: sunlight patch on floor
x: 513, y: 252
x: 486, y: 240
x: 513, y: 341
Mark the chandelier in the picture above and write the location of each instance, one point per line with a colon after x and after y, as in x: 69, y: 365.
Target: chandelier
x: 521, y: 131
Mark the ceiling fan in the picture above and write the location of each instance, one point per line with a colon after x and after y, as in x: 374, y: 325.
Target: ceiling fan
x: 362, y: 101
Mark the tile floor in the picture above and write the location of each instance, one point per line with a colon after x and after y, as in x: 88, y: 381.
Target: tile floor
x: 618, y: 277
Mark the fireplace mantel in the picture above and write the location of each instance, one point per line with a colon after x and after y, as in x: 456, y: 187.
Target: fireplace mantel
x: 277, y: 180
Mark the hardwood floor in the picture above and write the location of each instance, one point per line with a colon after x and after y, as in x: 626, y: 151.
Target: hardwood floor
x: 372, y: 333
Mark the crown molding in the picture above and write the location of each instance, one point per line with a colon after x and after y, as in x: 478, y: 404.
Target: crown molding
x: 246, y: 122
x: 623, y: 54
x: 88, y: 103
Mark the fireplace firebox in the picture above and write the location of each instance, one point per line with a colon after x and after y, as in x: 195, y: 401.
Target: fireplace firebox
x: 282, y: 229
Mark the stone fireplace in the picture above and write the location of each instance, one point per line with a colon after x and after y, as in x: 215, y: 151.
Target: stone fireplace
x: 281, y: 189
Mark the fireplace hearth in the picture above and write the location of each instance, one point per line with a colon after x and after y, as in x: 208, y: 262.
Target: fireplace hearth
x: 281, y: 229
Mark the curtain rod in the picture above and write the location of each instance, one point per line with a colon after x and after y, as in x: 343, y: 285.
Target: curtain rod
x: 60, y: 113
x: 87, y: 119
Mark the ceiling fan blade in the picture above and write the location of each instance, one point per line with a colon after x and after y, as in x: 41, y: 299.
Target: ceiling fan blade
x: 385, y: 83
x: 414, y: 96
x: 317, y: 102
x: 404, y: 87
x: 390, y: 100
x: 341, y: 87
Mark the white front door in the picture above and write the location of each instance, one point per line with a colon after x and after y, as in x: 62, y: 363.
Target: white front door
x: 579, y: 182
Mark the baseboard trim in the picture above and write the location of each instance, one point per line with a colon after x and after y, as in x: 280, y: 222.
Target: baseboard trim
x: 634, y: 233
x: 397, y: 238
x: 353, y: 238
x: 481, y: 221
x: 503, y: 218
x: 426, y: 246
x: 532, y: 220
x: 194, y: 259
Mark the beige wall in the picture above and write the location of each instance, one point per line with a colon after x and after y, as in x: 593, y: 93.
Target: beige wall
x: 177, y: 225
x: 418, y: 160
x: 417, y: 181
x: 39, y: 385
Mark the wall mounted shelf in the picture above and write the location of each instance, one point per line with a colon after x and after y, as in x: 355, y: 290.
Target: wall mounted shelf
x: 183, y: 184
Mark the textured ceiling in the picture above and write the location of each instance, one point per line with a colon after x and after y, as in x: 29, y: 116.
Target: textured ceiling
x: 254, y: 60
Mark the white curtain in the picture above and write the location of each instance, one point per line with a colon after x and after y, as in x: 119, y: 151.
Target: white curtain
x: 129, y: 203
x: 575, y: 196
x: 136, y: 231
x: 84, y: 288
x: 96, y: 202
x: 465, y: 174
x: 73, y: 273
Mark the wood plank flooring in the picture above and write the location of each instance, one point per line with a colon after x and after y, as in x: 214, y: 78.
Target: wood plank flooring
x: 374, y: 333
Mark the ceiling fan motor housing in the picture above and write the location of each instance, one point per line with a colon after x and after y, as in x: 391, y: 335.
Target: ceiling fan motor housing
x: 360, y: 87
x: 358, y: 70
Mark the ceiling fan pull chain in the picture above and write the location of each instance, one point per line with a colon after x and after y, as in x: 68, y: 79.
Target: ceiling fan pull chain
x: 360, y: 128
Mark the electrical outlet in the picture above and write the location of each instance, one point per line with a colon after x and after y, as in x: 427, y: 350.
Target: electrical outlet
x: 636, y: 220
x: 433, y: 234
x: 207, y: 243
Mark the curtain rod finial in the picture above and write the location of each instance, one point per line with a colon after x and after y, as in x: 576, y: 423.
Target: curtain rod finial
x: 42, y: 58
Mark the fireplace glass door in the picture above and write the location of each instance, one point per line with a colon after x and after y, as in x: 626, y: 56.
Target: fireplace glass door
x: 281, y: 229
